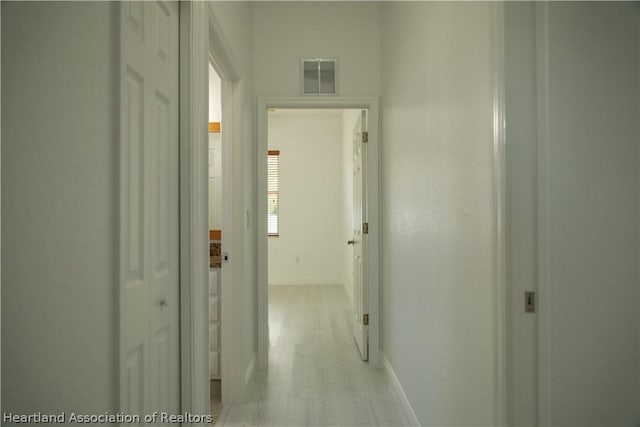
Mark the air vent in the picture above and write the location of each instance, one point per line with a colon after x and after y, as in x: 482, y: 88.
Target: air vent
x: 319, y: 76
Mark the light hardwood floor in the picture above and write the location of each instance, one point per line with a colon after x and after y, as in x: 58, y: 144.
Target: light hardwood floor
x: 315, y: 375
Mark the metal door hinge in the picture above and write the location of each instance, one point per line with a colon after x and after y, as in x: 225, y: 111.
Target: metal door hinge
x: 365, y: 228
x: 529, y: 302
x: 365, y: 319
x: 365, y: 136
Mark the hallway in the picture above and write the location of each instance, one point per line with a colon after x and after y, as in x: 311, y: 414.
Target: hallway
x: 315, y: 374
x: 504, y: 222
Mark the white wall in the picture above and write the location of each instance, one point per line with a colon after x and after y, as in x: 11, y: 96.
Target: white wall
x: 215, y: 96
x: 311, y: 237
x: 349, y: 118
x: 438, y: 324
x: 285, y: 32
x: 59, y: 207
x: 215, y: 181
x: 235, y: 20
x: 215, y: 152
x: 589, y: 217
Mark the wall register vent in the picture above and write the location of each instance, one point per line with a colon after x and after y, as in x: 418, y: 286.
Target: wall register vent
x: 319, y: 76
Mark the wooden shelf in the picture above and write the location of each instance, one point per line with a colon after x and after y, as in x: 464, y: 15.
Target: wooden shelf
x: 214, y: 127
x: 215, y: 234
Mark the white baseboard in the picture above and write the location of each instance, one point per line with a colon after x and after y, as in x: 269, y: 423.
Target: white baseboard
x: 407, y: 409
x: 248, y: 374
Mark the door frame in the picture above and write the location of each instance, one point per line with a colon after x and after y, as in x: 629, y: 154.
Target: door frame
x: 202, y: 42
x: 500, y: 311
x: 220, y: 56
x: 543, y: 213
x: 373, y: 203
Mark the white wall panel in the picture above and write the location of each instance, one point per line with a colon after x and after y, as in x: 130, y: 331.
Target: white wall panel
x: 311, y: 224
x: 59, y: 207
x: 285, y: 32
x: 589, y: 194
x: 521, y: 184
x: 437, y: 193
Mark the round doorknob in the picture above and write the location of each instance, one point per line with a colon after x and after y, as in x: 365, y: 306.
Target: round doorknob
x: 350, y: 242
x: 163, y: 302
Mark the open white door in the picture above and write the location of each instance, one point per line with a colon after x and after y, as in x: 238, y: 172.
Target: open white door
x: 360, y: 236
x: 149, y: 273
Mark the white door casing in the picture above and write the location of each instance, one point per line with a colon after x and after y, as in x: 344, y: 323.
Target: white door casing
x: 149, y: 207
x: 373, y: 196
x: 360, y: 238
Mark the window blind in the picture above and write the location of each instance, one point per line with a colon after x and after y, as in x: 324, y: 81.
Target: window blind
x: 273, y: 192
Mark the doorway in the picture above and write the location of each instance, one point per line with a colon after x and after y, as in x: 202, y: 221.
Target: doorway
x: 224, y: 261
x: 314, y: 237
x: 201, y: 44
x: 215, y: 226
x: 304, y: 266
x: 309, y: 182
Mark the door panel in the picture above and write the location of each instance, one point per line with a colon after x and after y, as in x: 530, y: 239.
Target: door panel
x: 133, y: 386
x: 588, y: 214
x: 360, y: 291
x: 149, y: 208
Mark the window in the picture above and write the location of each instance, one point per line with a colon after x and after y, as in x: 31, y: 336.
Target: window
x: 273, y: 192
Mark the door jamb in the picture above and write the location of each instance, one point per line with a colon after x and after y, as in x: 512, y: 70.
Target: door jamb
x: 373, y: 201
x: 193, y: 210
x: 200, y: 34
x: 232, y: 170
x: 543, y: 215
x: 499, y: 217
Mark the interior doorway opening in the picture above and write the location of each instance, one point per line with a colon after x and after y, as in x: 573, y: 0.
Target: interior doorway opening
x: 215, y: 229
x: 314, y: 227
x: 201, y: 44
x: 310, y: 196
x: 371, y: 190
x: 306, y: 314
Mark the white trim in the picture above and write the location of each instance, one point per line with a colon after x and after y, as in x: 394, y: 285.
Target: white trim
x: 199, y: 32
x: 408, y: 414
x: 263, y: 239
x: 221, y: 56
x: 499, y: 217
x: 544, y: 217
x: 194, y: 337
x: 638, y: 16
x: 373, y: 197
x: 251, y: 369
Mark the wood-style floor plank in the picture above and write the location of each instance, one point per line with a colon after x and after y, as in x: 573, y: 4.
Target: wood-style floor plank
x: 316, y: 376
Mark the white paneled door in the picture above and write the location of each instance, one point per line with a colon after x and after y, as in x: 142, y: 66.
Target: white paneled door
x: 149, y: 341
x: 360, y: 236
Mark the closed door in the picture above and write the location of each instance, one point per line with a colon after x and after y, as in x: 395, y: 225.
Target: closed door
x: 359, y: 241
x: 149, y: 341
